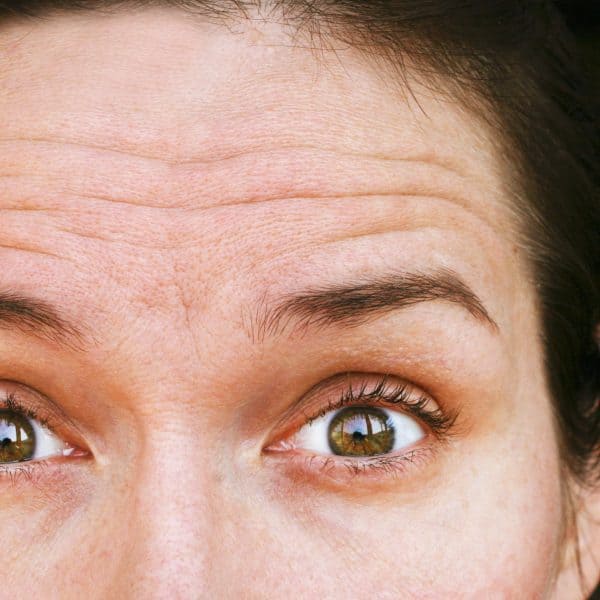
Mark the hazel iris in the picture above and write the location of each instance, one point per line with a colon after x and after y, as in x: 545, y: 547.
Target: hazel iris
x: 17, y: 437
x: 361, y: 431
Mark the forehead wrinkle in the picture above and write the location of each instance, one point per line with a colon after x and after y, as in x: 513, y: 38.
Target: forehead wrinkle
x: 174, y: 159
x: 172, y: 169
x: 149, y: 225
x: 327, y: 220
x: 245, y: 179
x: 21, y: 247
x: 244, y: 155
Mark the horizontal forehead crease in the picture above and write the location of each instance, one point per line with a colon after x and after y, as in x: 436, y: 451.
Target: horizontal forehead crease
x: 88, y: 134
x: 44, y: 174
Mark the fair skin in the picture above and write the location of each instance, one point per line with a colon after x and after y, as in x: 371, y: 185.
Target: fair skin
x: 164, y: 182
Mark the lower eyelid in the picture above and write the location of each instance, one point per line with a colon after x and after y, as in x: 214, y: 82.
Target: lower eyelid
x: 39, y: 472
x: 26, y: 473
x: 342, y: 471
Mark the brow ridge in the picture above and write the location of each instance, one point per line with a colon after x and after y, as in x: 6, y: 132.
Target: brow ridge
x: 353, y: 304
x: 35, y: 316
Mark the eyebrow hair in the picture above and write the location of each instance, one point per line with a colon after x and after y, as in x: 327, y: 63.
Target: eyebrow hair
x: 37, y: 317
x: 353, y: 304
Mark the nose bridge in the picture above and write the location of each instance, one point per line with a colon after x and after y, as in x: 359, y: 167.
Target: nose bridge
x: 170, y: 524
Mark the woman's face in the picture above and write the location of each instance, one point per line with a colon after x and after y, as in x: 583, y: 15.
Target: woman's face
x: 273, y: 313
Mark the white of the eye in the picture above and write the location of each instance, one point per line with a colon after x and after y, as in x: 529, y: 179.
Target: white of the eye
x: 47, y: 444
x: 314, y: 435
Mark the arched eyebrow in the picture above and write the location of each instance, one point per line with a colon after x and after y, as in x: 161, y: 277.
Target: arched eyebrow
x: 36, y: 317
x: 352, y: 304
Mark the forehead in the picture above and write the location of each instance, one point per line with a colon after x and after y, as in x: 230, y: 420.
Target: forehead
x: 160, y: 174
x: 164, y: 94
x: 157, y: 147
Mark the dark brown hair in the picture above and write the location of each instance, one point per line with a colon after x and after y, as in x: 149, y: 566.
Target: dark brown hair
x: 516, y: 63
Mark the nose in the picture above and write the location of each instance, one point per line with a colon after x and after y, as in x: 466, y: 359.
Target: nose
x: 170, y: 521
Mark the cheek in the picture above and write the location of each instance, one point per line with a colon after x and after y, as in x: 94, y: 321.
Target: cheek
x: 401, y: 553
x: 490, y: 527
x: 502, y: 533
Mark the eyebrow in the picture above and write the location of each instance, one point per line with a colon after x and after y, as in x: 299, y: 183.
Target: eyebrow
x: 37, y: 317
x: 348, y: 305
x: 351, y: 305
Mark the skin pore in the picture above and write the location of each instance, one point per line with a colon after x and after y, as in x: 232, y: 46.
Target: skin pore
x: 167, y: 184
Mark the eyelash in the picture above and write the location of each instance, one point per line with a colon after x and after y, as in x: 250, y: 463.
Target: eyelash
x: 19, y: 471
x: 11, y: 403
x: 439, y: 422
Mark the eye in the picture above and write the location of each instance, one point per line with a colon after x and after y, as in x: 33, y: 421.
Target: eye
x: 357, y: 431
x: 363, y: 421
x: 360, y: 431
x: 24, y: 438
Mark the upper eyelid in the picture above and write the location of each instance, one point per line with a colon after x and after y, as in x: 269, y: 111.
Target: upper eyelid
x: 440, y: 422
x: 11, y: 402
x: 37, y: 405
x: 349, y: 396
x: 313, y: 404
x: 344, y: 382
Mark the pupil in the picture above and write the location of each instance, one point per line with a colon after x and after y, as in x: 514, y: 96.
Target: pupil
x: 361, y: 431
